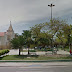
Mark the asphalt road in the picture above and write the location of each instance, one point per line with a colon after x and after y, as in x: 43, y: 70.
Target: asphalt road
x: 47, y: 69
x: 36, y: 67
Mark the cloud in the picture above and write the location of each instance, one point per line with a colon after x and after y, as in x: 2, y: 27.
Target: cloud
x: 25, y: 13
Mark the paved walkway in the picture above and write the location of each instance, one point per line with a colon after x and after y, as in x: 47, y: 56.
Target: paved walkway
x: 62, y: 52
x: 13, y: 52
x: 16, y: 52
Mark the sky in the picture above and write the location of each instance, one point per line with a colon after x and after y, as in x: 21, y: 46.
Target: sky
x: 24, y: 14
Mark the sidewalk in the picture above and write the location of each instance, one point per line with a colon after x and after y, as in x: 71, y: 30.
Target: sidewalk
x: 63, y: 52
x: 13, y: 52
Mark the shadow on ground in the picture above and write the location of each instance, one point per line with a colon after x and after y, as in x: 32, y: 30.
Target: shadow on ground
x: 25, y: 56
x: 1, y: 58
x: 16, y: 57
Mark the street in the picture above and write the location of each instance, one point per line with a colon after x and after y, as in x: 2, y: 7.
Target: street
x: 36, y: 67
x: 52, y: 69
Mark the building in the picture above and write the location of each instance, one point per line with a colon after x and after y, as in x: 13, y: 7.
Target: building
x: 5, y: 37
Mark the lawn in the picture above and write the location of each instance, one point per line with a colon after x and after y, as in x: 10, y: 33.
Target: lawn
x: 34, y: 57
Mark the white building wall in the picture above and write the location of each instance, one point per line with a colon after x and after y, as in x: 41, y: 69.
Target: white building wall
x: 3, y: 40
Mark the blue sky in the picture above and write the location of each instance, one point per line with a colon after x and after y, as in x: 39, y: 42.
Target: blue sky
x: 26, y: 13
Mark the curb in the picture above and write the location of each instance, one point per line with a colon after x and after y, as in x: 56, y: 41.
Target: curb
x: 35, y: 61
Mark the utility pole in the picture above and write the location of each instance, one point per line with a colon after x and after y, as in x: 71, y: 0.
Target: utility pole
x: 51, y: 22
x: 51, y: 9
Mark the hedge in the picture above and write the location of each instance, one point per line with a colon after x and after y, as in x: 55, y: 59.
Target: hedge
x: 32, y: 50
x: 42, y: 49
x: 5, y: 51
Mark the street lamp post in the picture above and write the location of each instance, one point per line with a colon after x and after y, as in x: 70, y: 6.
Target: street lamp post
x: 51, y: 9
x: 51, y: 22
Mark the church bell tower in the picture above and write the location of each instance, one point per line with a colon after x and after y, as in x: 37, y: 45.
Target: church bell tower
x: 10, y: 32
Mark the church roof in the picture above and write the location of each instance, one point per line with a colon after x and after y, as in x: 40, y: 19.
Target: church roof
x: 2, y: 33
x: 10, y: 28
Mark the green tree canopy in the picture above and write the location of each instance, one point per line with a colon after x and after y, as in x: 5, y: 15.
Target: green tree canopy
x: 18, y: 43
x: 27, y: 36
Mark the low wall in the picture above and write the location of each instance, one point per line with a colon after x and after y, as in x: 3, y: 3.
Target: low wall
x: 5, y: 47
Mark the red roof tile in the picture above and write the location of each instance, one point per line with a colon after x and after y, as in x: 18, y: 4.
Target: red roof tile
x: 2, y: 33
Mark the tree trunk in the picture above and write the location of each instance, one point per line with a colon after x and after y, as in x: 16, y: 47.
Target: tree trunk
x: 19, y: 51
x: 28, y: 51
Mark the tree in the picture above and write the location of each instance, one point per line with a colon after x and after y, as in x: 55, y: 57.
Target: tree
x: 44, y: 39
x: 28, y: 40
x: 52, y: 32
x: 18, y: 43
x: 38, y: 34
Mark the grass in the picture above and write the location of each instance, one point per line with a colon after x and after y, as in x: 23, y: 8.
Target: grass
x: 24, y: 51
x: 33, y: 57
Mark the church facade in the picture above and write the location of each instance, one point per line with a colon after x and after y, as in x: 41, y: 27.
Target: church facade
x: 5, y: 37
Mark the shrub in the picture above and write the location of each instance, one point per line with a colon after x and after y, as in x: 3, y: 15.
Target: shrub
x: 32, y: 50
x: 43, y: 49
x: 5, y: 51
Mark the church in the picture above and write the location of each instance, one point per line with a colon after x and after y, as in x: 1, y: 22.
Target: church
x: 5, y: 37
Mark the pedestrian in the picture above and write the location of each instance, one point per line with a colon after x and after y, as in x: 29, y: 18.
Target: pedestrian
x: 70, y: 52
